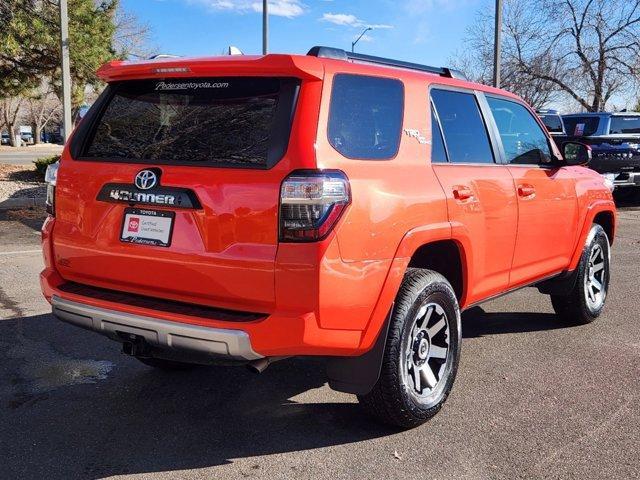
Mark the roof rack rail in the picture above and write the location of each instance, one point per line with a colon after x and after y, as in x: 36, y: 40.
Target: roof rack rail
x: 339, y: 54
x: 162, y: 55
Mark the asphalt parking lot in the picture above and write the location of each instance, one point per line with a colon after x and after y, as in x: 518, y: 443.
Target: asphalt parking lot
x: 534, y: 398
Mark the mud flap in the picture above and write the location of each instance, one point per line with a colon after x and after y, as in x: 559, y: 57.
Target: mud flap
x: 358, y: 375
x: 563, y: 284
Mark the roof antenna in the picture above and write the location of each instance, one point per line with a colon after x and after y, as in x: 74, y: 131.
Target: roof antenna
x: 234, y: 51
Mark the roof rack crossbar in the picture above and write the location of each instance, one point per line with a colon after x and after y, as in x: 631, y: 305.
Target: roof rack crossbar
x: 339, y: 54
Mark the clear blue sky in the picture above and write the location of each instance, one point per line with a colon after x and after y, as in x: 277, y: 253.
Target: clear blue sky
x: 426, y: 31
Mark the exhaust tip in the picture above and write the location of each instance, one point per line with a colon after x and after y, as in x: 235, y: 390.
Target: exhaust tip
x: 260, y: 365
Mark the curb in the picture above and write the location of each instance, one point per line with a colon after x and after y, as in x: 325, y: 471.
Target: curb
x: 19, y: 203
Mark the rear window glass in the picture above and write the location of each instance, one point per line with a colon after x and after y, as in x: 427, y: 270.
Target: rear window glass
x: 365, y: 119
x: 623, y: 125
x: 239, y: 121
x: 552, y: 122
x: 581, y: 126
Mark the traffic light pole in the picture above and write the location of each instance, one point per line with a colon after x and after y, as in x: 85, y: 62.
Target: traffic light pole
x: 497, y: 46
x: 265, y: 27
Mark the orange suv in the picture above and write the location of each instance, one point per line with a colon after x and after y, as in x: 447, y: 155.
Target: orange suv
x: 240, y: 210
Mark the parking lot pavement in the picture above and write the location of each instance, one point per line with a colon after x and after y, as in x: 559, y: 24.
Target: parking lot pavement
x: 534, y: 398
x: 27, y: 155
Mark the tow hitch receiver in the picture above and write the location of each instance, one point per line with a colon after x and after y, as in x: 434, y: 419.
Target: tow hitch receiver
x: 134, y: 345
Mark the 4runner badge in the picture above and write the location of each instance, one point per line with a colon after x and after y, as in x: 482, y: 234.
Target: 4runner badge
x: 417, y: 135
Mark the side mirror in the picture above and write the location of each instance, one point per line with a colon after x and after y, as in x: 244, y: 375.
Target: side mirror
x: 576, y: 153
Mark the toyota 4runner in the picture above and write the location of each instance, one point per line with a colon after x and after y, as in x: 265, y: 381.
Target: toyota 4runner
x: 245, y: 209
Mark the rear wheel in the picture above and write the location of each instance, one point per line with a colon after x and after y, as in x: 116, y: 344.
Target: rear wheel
x: 421, y: 353
x: 585, y: 302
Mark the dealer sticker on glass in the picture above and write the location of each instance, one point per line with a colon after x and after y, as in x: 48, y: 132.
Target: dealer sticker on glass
x: 148, y: 227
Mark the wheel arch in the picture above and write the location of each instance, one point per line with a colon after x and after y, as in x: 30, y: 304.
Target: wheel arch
x: 419, y: 248
x: 603, y: 213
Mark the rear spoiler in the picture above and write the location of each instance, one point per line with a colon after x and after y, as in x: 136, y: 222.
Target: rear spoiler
x: 304, y: 67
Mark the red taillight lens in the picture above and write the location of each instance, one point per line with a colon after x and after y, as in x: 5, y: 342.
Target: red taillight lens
x: 311, y: 202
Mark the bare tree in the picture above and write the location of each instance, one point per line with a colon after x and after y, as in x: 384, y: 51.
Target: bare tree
x: 593, y: 47
x: 476, y: 59
x: 132, y: 38
x: 42, y: 107
x: 588, y: 50
x: 9, y: 114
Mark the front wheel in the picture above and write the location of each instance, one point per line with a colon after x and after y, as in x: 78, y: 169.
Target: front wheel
x: 421, y: 355
x: 587, y: 298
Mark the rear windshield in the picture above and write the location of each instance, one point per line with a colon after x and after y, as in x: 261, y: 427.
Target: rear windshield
x: 552, y: 122
x: 581, y: 126
x: 365, y: 119
x: 625, y: 124
x: 240, y: 121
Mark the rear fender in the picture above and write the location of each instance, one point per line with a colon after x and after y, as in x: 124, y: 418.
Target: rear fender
x: 359, y: 374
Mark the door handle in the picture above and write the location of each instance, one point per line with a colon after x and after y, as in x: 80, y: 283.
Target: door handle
x: 526, y: 190
x: 460, y: 192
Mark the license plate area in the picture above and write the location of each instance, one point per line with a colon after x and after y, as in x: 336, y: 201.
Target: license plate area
x: 147, y: 227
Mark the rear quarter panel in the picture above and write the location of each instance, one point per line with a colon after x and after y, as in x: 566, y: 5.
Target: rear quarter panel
x: 389, y: 197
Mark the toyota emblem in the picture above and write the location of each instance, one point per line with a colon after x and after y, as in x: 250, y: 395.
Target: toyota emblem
x: 146, y: 179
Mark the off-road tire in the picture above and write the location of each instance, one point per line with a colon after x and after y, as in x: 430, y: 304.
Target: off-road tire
x: 575, y: 307
x: 391, y: 401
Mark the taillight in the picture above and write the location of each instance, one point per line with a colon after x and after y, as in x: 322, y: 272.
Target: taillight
x: 51, y: 177
x: 311, y: 202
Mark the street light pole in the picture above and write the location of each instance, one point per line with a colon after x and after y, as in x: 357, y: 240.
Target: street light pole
x: 265, y: 27
x: 497, y: 46
x: 353, y: 44
x: 66, y: 74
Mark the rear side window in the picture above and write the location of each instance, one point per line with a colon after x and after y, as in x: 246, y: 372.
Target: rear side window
x: 365, y: 116
x: 240, y: 121
x: 625, y: 125
x: 465, y: 134
x: 581, y: 126
x: 523, y: 139
x: 552, y: 122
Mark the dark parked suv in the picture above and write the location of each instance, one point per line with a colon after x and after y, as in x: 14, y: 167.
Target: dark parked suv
x: 615, y: 140
x: 553, y: 122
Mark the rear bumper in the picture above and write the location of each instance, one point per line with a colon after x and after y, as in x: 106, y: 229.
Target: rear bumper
x: 181, y: 337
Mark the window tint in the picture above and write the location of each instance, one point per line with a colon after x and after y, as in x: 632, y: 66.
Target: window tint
x: 464, y: 131
x: 365, y: 119
x: 552, y: 122
x: 581, y: 126
x: 212, y: 121
x: 523, y: 140
x: 438, y: 152
x: 625, y: 124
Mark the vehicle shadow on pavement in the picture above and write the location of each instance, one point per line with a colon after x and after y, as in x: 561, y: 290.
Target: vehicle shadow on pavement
x: 477, y: 323
x: 141, y: 420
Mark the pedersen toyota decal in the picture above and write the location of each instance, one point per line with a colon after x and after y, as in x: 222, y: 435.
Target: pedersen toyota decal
x: 162, y: 196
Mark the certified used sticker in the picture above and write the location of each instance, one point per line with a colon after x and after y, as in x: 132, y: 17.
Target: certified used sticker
x: 147, y: 227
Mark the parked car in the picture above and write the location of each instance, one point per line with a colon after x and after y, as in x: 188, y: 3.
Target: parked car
x: 26, y: 137
x: 615, y: 140
x: 5, y: 139
x: 553, y: 122
x: 245, y: 209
